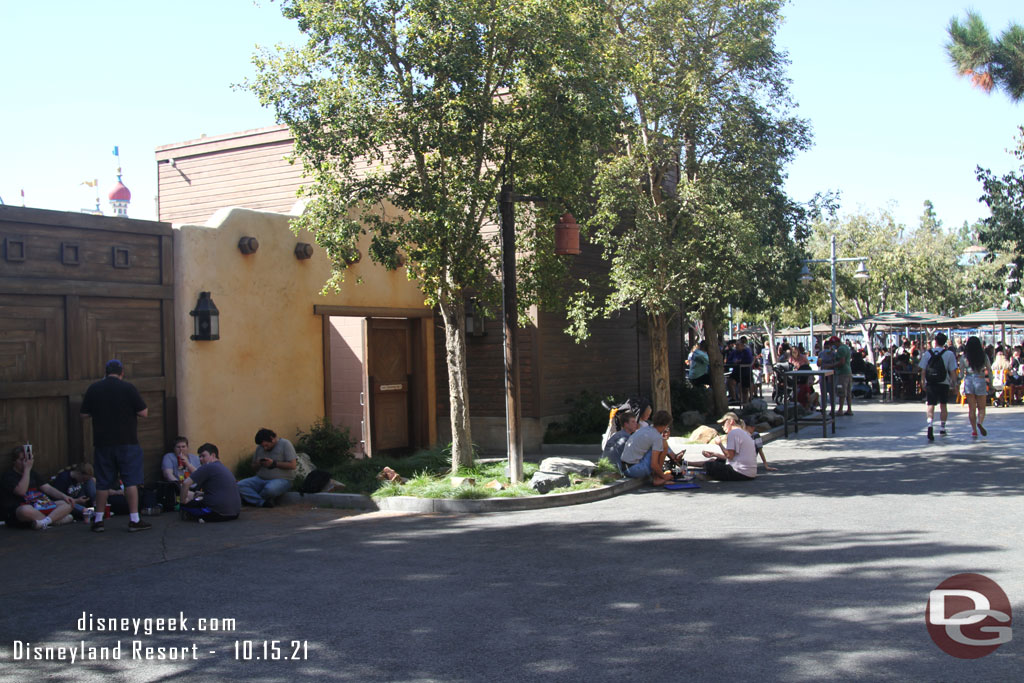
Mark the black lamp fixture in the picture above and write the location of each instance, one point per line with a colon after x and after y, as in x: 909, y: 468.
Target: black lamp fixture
x: 206, y: 319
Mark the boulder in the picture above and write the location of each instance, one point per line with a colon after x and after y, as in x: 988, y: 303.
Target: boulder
x: 762, y: 427
x: 756, y: 405
x: 546, y: 481
x: 774, y: 419
x: 691, y: 419
x: 456, y: 482
x: 567, y: 466
x: 704, y: 434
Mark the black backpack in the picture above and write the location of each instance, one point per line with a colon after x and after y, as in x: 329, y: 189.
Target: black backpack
x: 935, y: 371
x: 315, y: 481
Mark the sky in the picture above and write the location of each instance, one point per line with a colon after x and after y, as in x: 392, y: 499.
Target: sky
x: 893, y: 124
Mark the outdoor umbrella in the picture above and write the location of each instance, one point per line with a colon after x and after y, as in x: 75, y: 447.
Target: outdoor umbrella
x: 990, y: 316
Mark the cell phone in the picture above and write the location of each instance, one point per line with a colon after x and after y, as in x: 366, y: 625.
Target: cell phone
x: 28, y: 450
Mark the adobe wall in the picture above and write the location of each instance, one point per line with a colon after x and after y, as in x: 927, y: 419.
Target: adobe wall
x: 267, y: 369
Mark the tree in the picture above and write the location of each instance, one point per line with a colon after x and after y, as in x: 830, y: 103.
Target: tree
x: 691, y: 210
x: 989, y: 63
x: 409, y: 115
x: 1005, y: 199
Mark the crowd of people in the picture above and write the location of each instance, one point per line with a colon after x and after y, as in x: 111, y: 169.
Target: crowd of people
x: 198, y: 484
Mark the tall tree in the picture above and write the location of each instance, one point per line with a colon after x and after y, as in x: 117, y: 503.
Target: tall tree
x: 990, y: 63
x: 409, y: 115
x: 691, y: 207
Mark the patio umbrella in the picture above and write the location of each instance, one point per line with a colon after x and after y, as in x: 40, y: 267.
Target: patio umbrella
x: 990, y: 316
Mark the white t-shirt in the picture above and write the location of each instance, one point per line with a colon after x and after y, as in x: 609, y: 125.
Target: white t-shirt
x: 745, y: 460
x: 948, y: 359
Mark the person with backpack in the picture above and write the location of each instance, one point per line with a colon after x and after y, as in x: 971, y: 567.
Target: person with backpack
x: 939, y: 371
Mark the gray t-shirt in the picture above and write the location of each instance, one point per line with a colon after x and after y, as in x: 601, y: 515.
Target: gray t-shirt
x: 220, y: 490
x: 170, y: 462
x: 948, y: 359
x: 614, y: 446
x: 283, y: 451
x: 643, y: 440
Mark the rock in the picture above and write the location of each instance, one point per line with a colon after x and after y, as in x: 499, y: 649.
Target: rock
x: 774, y: 419
x: 456, y: 482
x: 545, y: 481
x: 756, y: 405
x: 494, y: 484
x: 567, y: 466
x: 762, y: 427
x: 704, y: 434
x: 691, y: 419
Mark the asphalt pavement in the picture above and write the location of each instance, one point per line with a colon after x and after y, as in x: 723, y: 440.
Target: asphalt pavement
x: 821, y: 570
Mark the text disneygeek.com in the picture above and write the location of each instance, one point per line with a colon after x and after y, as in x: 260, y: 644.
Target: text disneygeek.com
x: 137, y: 649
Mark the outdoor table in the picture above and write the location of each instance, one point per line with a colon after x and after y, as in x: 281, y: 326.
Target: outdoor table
x: 793, y: 376
x: 909, y: 384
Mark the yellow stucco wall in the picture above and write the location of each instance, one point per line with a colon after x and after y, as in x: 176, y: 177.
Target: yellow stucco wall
x: 267, y: 369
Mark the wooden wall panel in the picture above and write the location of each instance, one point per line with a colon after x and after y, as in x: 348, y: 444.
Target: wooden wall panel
x: 127, y: 329
x: 39, y: 421
x: 52, y: 252
x: 32, y: 345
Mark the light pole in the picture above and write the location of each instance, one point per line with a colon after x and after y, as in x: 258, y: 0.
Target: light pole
x: 564, y: 245
x: 861, y: 274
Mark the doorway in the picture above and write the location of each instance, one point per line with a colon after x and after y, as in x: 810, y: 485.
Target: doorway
x: 376, y: 382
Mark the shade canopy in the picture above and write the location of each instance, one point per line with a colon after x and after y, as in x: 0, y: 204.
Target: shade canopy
x: 989, y: 316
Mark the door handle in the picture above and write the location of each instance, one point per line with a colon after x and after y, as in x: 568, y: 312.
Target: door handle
x: 361, y: 401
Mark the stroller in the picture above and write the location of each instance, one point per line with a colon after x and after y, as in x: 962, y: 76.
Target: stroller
x: 780, y: 386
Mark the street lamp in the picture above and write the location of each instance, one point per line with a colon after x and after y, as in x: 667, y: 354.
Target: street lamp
x: 860, y: 274
x: 564, y: 230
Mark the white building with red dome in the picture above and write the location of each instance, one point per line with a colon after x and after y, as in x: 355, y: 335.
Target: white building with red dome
x: 120, y: 196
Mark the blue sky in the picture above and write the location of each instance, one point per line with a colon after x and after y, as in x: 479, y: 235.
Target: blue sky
x: 893, y: 125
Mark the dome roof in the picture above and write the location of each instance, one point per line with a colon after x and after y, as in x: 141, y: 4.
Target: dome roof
x: 120, y: 193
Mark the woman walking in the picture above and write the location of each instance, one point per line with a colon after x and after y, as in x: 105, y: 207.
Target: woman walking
x: 977, y: 376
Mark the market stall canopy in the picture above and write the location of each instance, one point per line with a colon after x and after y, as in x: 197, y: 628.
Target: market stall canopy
x: 989, y: 316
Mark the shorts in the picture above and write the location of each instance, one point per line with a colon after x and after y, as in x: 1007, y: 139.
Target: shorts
x: 843, y: 384
x: 640, y: 469
x: 111, y: 461
x: 975, y: 386
x: 742, y: 376
x: 936, y: 394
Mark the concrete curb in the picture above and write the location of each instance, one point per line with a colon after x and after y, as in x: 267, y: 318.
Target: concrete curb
x: 425, y: 505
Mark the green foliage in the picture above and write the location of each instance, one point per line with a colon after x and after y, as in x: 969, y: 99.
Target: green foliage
x: 326, y: 445
x: 360, y: 476
x: 990, y: 63
x: 245, y: 469
x: 686, y: 397
x: 586, y: 422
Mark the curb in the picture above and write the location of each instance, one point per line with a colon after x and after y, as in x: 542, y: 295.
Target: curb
x: 426, y: 505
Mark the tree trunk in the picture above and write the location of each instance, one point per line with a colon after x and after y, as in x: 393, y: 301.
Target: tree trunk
x: 454, y: 314
x: 717, y: 363
x: 661, y: 393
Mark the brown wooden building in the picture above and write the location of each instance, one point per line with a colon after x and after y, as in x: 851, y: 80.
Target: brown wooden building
x: 250, y: 170
x: 77, y: 290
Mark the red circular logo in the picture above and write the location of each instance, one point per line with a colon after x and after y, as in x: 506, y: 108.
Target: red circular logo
x: 968, y: 616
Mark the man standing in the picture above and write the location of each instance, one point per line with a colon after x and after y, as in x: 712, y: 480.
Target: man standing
x: 276, y: 460
x: 115, y: 406
x: 938, y: 368
x: 827, y: 361
x: 844, y: 376
x: 220, y: 501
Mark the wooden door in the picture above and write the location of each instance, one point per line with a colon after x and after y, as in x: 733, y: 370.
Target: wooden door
x: 388, y: 369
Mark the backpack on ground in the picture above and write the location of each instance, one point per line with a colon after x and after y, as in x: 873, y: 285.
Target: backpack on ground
x: 935, y: 371
x: 316, y: 481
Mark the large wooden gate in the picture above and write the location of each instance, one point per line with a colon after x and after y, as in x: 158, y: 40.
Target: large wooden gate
x: 76, y: 291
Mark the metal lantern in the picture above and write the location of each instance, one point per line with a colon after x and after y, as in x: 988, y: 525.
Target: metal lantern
x: 567, y: 236
x: 206, y: 319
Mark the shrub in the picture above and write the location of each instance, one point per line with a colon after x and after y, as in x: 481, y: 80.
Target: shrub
x: 586, y: 423
x: 326, y: 444
x: 686, y: 396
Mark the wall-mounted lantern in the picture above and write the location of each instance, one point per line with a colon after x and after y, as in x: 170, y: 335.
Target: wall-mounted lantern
x: 248, y: 245
x: 475, y: 325
x: 567, y: 236
x: 206, y: 319
x: 303, y: 251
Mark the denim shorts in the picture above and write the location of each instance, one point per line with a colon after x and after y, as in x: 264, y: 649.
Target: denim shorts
x: 975, y: 385
x: 640, y: 469
x: 112, y: 462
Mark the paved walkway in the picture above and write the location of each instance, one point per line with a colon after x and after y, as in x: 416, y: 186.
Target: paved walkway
x: 820, y: 571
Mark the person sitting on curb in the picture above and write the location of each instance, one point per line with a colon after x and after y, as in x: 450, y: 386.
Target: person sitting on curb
x: 738, y: 461
x: 275, y: 457
x: 645, y: 452
x: 26, y: 501
x: 220, y: 501
x: 626, y: 423
x: 77, y: 483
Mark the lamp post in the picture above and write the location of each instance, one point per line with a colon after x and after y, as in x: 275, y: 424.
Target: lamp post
x: 513, y: 408
x: 861, y: 274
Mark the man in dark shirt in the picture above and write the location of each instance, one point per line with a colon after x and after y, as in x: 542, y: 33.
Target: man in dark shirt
x: 221, y: 501
x: 115, y: 406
